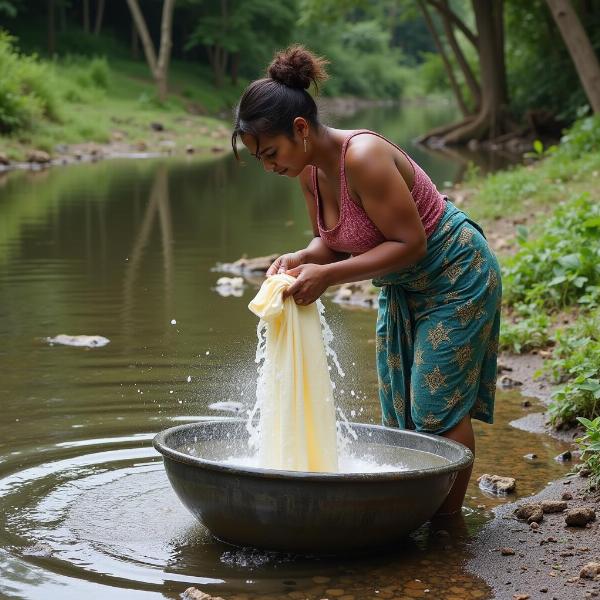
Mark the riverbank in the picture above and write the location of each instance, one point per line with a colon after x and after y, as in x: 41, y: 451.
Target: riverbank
x: 549, y: 559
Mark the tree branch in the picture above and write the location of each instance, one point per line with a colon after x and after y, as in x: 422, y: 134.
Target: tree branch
x: 450, y: 14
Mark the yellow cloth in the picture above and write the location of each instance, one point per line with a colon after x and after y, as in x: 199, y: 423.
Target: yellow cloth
x: 297, y: 428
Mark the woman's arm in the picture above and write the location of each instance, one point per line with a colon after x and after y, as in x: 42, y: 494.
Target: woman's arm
x: 373, y: 176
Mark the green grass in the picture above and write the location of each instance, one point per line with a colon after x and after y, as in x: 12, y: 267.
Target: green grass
x: 99, y: 100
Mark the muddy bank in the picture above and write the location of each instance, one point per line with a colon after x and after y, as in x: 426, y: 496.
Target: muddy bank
x: 519, y: 560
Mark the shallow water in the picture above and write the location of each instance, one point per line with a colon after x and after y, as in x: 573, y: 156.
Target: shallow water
x: 122, y: 249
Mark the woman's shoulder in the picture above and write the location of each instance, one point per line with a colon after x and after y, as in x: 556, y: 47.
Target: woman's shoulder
x: 369, y: 156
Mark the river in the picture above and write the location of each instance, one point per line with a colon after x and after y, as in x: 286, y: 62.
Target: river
x: 125, y: 249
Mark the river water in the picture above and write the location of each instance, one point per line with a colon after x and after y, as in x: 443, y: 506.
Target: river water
x: 124, y: 249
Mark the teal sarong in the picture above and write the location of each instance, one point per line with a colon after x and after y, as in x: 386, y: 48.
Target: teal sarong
x: 437, y: 331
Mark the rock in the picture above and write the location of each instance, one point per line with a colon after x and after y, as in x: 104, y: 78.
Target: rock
x: 155, y: 126
x: 590, y: 570
x: 87, y: 341
x: 496, y: 484
x: 507, y: 551
x: 193, y: 593
x: 535, y: 525
x: 141, y: 146
x: 553, y: 506
x: 502, y: 367
x: 246, y: 266
x: 507, y: 382
x: 531, y: 456
x: 526, y: 403
x: 39, y: 549
x: 38, y: 156
x: 189, y: 149
x: 580, y: 517
x: 230, y: 286
x: 520, y: 596
x: 217, y: 149
x: 4, y: 160
x: 567, y: 496
x: 585, y: 472
x: 530, y: 512
x: 564, y: 456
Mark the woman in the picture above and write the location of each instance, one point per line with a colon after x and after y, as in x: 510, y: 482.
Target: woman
x: 376, y: 214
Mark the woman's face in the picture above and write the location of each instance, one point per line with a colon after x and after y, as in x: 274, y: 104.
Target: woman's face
x: 279, y: 154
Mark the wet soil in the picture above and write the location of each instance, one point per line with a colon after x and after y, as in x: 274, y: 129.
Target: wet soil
x: 518, y: 561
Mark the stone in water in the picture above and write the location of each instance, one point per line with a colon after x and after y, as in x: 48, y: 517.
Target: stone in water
x: 84, y: 341
x: 496, y: 484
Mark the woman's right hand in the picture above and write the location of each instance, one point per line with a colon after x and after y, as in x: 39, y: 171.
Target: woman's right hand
x: 286, y: 262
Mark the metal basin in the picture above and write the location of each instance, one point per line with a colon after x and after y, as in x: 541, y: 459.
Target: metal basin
x: 310, y: 512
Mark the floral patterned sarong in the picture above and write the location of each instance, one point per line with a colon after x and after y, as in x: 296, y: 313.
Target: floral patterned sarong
x: 437, y: 331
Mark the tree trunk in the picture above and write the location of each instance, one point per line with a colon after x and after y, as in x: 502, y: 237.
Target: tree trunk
x: 166, y: 44
x: 580, y: 49
x: 99, y: 17
x: 135, y: 42
x: 235, y: 68
x: 468, y: 74
x: 159, y: 66
x: 51, y: 28
x: 491, y: 120
x: 86, y: 16
x: 447, y: 65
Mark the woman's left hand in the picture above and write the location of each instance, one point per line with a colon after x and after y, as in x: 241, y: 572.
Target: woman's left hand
x: 311, y: 282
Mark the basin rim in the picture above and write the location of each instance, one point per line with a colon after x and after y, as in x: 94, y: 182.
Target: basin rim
x: 258, y: 472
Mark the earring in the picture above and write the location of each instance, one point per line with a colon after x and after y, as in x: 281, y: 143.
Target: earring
x: 305, y: 144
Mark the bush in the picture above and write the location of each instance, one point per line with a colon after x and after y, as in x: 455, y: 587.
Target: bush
x: 562, y: 265
x: 576, y: 360
x: 589, y: 444
x: 26, y: 89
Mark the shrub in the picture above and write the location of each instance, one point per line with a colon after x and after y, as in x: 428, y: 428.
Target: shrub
x: 26, y: 89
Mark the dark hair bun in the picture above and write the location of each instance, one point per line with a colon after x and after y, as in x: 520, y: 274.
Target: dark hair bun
x: 297, y: 67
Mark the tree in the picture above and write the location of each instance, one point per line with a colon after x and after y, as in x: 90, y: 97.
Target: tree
x: 159, y: 66
x: 99, y: 17
x: 236, y: 30
x: 580, y: 49
x: 491, y: 119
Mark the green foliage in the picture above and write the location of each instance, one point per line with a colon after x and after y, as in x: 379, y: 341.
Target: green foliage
x: 26, y: 89
x: 582, y: 138
x: 528, y: 331
x: 562, y: 264
x: 550, y: 84
x: 589, y: 444
x: 362, y: 64
x: 576, y: 361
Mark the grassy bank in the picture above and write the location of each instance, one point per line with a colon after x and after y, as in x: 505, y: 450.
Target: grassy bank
x: 552, y: 281
x: 46, y: 105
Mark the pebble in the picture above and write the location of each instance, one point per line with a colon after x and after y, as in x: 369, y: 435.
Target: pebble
x: 580, y: 517
x: 530, y: 456
x: 335, y: 592
x: 530, y: 511
x: 497, y: 484
x: 553, y: 506
x: 520, y: 596
x: 567, y: 496
x: 507, y: 551
x: 590, y: 570
x: 321, y: 579
x: 564, y: 456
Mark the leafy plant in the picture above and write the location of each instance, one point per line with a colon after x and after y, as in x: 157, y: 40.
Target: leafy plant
x: 562, y: 264
x: 529, y: 330
x: 589, y: 443
x: 576, y: 363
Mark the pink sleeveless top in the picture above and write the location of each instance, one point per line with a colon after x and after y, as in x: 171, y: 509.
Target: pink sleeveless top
x: 354, y: 232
